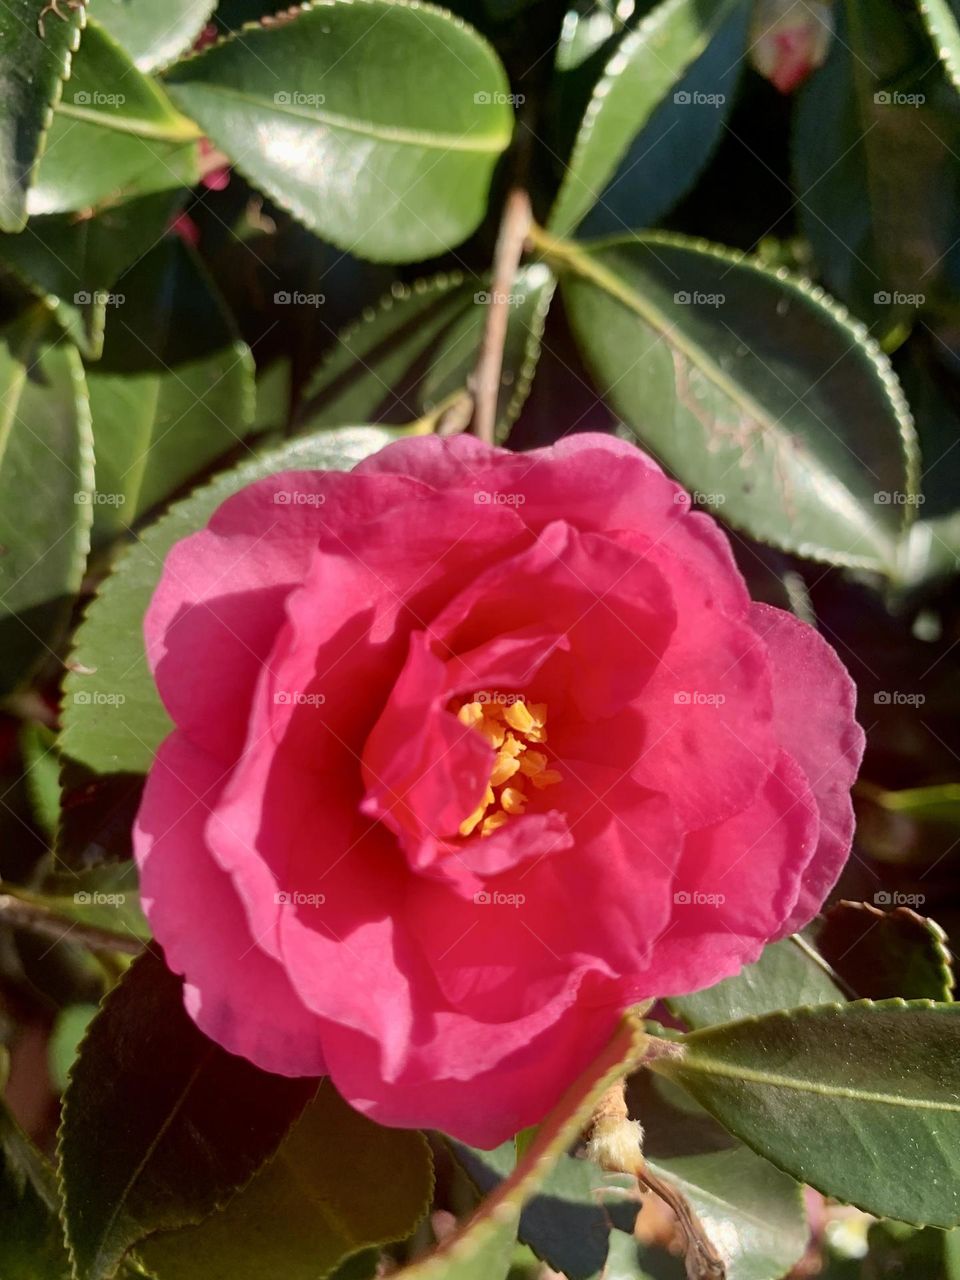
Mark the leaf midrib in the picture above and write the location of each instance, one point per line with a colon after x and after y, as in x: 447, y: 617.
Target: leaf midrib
x: 735, y: 1071
x: 493, y: 144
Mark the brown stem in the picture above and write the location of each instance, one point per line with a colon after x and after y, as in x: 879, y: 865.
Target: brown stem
x: 47, y: 924
x: 485, y: 380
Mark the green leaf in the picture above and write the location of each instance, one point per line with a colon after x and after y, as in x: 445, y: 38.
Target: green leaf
x: 862, y: 1101
x: 752, y: 1214
x: 414, y: 93
x: 941, y: 19
x: 69, y: 1028
x: 153, y: 34
x: 32, y: 71
x: 568, y: 1222
x: 338, y: 1185
x: 645, y: 70
x: 104, y: 897
x: 405, y: 359
x: 753, y: 388
x: 875, y: 139
x: 149, y: 1138
x: 880, y: 954
x: 940, y: 803
x: 71, y: 262
x: 46, y: 479
x: 102, y: 732
x: 41, y: 771
x: 788, y: 973
x: 483, y: 1247
x: 115, y: 135
x: 31, y: 1242
x: 173, y: 392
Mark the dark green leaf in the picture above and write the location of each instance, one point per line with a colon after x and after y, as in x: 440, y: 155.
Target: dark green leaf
x: 173, y: 392
x: 568, y: 1222
x: 32, y: 71
x: 754, y: 388
x: 377, y: 124
x: 789, y: 973
x: 874, y: 156
x: 46, y: 480
x: 645, y: 71
x: 150, y: 1138
x: 337, y: 1185
x: 72, y: 261
x: 419, y: 348
x: 880, y: 954
x: 41, y: 771
x: 31, y: 1239
x: 115, y: 135
x: 861, y: 1100
x: 119, y: 722
x: 153, y: 34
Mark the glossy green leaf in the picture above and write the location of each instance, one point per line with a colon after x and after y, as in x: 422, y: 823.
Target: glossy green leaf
x: 860, y: 1100
x: 115, y: 135
x: 646, y: 69
x: 943, y: 22
x: 377, y: 124
x: 153, y: 34
x: 338, y: 1184
x: 419, y: 348
x: 72, y: 261
x: 173, y: 392
x: 149, y: 1138
x: 789, y: 973
x: 483, y: 1247
x: 884, y: 953
x: 877, y: 131
x: 102, y: 732
x: 31, y: 1239
x: 32, y: 71
x: 751, y: 1213
x: 754, y: 389
x: 568, y: 1222
x: 46, y: 479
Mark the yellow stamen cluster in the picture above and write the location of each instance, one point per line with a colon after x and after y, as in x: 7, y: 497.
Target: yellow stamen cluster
x: 513, y: 729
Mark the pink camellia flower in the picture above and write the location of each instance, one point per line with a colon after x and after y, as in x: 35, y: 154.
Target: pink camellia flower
x: 473, y: 750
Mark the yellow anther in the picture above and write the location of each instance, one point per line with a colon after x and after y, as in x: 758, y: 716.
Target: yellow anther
x: 493, y: 823
x: 513, y: 800
x: 511, y: 727
x: 505, y: 766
